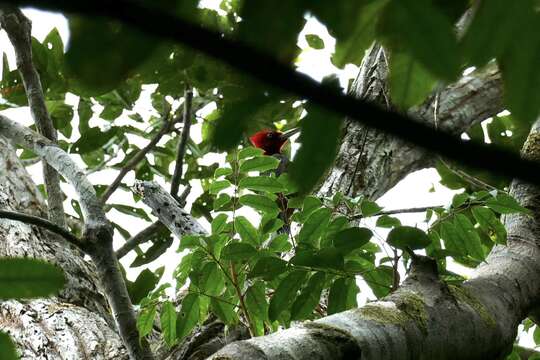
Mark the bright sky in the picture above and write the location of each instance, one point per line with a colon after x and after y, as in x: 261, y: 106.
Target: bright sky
x: 418, y: 189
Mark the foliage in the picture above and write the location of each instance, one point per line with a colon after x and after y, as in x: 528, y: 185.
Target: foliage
x: 247, y: 270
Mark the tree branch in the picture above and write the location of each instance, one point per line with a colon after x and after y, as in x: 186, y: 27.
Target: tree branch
x: 97, y: 233
x: 138, y: 239
x: 181, y: 152
x: 167, y: 209
x: 43, y: 223
x: 132, y: 163
x: 19, y: 30
x: 273, y: 72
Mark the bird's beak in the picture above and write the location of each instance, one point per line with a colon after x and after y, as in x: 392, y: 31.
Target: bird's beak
x: 287, y: 134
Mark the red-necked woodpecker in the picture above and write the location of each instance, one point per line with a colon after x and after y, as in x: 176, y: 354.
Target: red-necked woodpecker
x: 272, y: 142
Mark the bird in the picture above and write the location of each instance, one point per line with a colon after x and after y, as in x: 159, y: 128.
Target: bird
x: 272, y: 142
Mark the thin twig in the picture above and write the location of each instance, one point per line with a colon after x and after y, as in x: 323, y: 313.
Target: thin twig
x: 182, y: 144
x: 132, y: 163
x: 140, y: 238
x: 19, y: 28
x: 43, y: 223
x: 398, y: 211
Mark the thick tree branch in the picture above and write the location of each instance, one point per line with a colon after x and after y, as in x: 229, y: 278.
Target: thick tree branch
x: 273, y: 72
x: 19, y: 30
x: 97, y: 234
x: 132, y: 163
x: 167, y: 209
x: 380, y: 161
x: 182, y: 144
x: 46, y: 224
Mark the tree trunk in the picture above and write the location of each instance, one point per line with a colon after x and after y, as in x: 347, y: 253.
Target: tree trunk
x: 77, y: 323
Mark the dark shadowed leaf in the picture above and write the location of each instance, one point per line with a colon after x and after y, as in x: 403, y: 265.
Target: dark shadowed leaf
x: 351, y: 239
x: 145, y: 282
x: 29, y: 278
x: 309, y: 297
x: 319, y: 138
x: 112, y: 48
x: 7, y: 347
x: 238, y: 252
x: 342, y: 295
x: 257, y: 306
x: 314, y: 227
x: 429, y: 35
x: 268, y: 267
x: 285, y: 294
x: 188, y: 316
x: 403, y: 237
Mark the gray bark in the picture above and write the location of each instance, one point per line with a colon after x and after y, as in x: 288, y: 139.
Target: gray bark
x: 97, y: 233
x: 370, y: 162
x: 19, y: 30
x: 74, y: 325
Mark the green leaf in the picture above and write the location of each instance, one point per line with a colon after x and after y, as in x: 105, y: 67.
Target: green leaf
x: 247, y: 232
x: 24, y: 278
x: 222, y: 172
x: 145, y: 321
x: 429, y: 37
x: 250, y: 152
x: 342, y: 295
x: 309, y: 297
x: 268, y: 267
x: 224, y: 311
x: 319, y: 139
x: 379, y: 280
x: 280, y: 243
x: 351, y: 239
x: 236, y: 116
x: 218, y: 224
x: 112, y: 48
x: 189, y: 242
x: 277, y: 38
x: 61, y: 116
x: 314, y: 41
x: 261, y: 183
x: 285, y: 293
x: 168, y: 323
x: 314, y: 227
x: 260, y: 163
x: 221, y: 201
x: 238, y: 252
x: 403, y: 237
x: 132, y: 211
x: 92, y: 139
x: 369, y: 207
x: 7, y: 347
x: 410, y: 83
x: 219, y: 185
x: 386, y: 221
x: 145, y: 282
x: 465, y: 230
x: 505, y: 204
x: 519, y: 68
x: 212, y: 281
x: 257, y: 306
x: 188, y: 316
x: 160, y: 244
x: 452, y: 241
x: 493, y: 28
x: 488, y: 221
x: 260, y: 203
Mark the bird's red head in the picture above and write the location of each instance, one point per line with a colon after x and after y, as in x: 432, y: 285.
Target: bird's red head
x: 271, y: 141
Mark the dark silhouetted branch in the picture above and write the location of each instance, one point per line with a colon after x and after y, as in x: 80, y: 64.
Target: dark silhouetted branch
x: 43, y: 223
x: 182, y: 144
x: 265, y: 68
